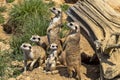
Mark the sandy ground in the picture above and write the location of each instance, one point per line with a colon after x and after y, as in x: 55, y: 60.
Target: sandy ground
x: 88, y: 72
x: 38, y: 74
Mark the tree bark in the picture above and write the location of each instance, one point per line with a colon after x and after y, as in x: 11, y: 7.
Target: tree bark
x: 98, y: 20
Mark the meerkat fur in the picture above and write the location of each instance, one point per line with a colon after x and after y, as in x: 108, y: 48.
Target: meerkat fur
x: 40, y: 41
x: 32, y: 53
x: 51, y: 60
x: 72, y: 49
x: 55, y: 24
x: 53, y: 31
x: 58, y: 16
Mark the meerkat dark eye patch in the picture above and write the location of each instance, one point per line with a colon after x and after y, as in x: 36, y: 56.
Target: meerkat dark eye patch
x: 34, y: 38
x: 71, y: 24
x: 53, y: 46
x: 57, y: 46
x: 39, y: 39
x: 76, y: 28
x: 24, y: 46
x: 54, y: 8
x: 59, y: 12
x: 30, y: 47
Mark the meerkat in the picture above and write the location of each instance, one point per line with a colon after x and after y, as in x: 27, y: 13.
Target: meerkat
x: 53, y: 31
x: 72, y: 49
x: 33, y: 53
x: 40, y: 40
x: 58, y: 16
x: 52, y: 58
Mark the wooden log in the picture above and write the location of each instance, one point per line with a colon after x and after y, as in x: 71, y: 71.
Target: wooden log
x: 99, y: 21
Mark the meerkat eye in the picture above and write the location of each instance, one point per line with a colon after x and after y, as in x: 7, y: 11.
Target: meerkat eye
x: 53, y: 46
x: 57, y: 46
x: 34, y: 38
x: 75, y: 27
x: 58, y: 12
x: 24, y: 46
x: 54, y: 8
x: 71, y: 24
x: 30, y: 47
x: 39, y: 39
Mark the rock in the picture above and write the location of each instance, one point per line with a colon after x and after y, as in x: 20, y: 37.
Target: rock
x: 11, y: 79
x: 19, y: 77
x: 28, y: 78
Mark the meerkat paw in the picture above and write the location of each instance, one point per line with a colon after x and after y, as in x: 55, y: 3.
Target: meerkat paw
x: 48, y: 72
x: 54, y: 72
x: 24, y: 72
x: 31, y: 68
x: 41, y: 68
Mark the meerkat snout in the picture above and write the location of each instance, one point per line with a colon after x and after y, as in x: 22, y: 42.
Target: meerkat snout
x: 26, y: 46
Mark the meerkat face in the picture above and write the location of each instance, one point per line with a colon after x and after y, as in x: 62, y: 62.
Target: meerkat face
x: 26, y: 47
x: 56, y: 11
x: 73, y: 26
x: 53, y: 46
x: 35, y: 38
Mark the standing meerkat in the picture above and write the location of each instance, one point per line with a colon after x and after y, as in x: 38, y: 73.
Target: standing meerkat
x: 53, y: 31
x: 72, y: 49
x: 52, y: 58
x: 40, y: 41
x: 33, y: 53
x: 57, y: 18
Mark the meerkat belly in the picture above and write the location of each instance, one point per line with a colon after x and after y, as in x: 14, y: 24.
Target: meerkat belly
x: 72, y: 60
x: 29, y: 56
x: 56, y: 19
x: 55, y: 31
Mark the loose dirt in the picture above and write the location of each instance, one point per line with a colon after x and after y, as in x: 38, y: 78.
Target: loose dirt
x: 88, y: 72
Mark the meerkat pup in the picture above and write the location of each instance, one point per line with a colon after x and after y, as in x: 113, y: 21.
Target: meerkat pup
x: 33, y: 53
x: 51, y: 60
x: 72, y: 50
x: 40, y: 40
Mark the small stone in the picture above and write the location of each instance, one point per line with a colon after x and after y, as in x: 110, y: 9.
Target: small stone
x: 11, y: 79
x: 19, y: 77
x: 28, y: 78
